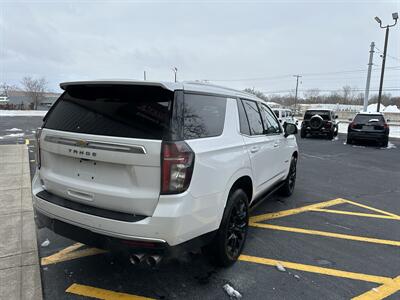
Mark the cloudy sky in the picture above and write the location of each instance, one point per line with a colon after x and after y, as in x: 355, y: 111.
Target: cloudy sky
x: 240, y: 44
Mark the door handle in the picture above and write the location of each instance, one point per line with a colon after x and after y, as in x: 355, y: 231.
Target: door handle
x: 254, y: 149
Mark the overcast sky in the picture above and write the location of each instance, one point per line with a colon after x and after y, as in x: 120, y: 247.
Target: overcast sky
x: 232, y: 43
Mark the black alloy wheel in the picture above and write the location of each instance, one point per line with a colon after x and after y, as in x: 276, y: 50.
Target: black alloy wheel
x: 237, y: 229
x: 290, y: 182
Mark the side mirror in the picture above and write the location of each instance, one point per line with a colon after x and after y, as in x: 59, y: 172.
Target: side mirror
x: 290, y: 129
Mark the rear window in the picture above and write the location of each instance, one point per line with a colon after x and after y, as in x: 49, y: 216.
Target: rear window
x: 113, y: 110
x: 204, y: 116
x: 365, y: 119
x: 326, y: 115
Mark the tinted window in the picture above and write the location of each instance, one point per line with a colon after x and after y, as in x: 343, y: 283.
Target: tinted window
x: 325, y: 114
x: 364, y: 119
x: 244, y: 124
x: 276, y: 112
x: 113, y: 110
x: 270, y: 123
x: 204, y: 116
x: 254, y: 117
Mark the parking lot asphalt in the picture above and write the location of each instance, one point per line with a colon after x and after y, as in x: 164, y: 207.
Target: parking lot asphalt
x: 336, y: 237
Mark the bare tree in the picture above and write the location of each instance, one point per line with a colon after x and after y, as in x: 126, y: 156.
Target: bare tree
x: 5, y: 89
x: 312, y: 95
x: 34, y: 89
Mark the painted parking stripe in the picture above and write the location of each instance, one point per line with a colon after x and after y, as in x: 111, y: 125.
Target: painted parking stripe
x: 315, y: 269
x: 70, y: 253
x: 289, y: 212
x: 94, y: 292
x: 372, y: 208
x: 327, y: 234
x: 350, y: 213
x: 382, y: 291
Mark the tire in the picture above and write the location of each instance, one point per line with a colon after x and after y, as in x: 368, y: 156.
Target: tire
x: 228, y: 243
x: 290, y: 181
x: 331, y: 135
x: 349, y: 141
x: 385, y: 142
x: 303, y: 134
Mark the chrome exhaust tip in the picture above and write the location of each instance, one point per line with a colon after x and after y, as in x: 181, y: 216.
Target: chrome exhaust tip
x: 136, y: 259
x: 153, y: 260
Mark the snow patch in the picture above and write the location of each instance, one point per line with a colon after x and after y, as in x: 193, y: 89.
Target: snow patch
x: 11, y: 135
x: 21, y: 113
x: 14, y: 129
x: 231, y: 291
x: 390, y: 146
x: 392, y: 109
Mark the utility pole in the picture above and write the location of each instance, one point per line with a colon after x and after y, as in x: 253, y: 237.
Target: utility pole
x: 144, y: 75
x: 370, y: 63
x: 175, y: 69
x: 297, y: 87
x: 395, y: 16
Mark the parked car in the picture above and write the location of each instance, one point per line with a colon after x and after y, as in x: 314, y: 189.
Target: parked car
x: 285, y: 116
x: 319, y: 122
x: 151, y: 168
x: 368, y: 127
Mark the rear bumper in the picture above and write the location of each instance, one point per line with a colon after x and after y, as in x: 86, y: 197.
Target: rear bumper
x: 367, y: 136
x: 316, y: 131
x: 176, y: 219
x: 119, y: 245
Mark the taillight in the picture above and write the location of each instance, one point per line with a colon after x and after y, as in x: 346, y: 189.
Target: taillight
x: 328, y: 124
x: 385, y: 125
x: 352, y: 125
x: 177, y: 161
x: 37, y: 137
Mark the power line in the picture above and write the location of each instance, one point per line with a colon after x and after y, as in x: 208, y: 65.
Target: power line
x: 303, y: 74
x: 388, y: 55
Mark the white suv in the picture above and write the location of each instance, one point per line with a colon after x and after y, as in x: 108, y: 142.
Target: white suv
x: 147, y: 168
x: 285, y: 116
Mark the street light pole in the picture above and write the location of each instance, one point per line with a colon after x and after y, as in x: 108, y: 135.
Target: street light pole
x: 297, y: 87
x: 175, y: 69
x: 395, y: 16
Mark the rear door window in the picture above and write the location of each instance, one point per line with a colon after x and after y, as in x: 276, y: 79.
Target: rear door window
x: 254, y: 117
x: 204, y: 116
x: 113, y: 110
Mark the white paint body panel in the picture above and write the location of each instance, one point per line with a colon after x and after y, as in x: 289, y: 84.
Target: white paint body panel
x: 131, y: 182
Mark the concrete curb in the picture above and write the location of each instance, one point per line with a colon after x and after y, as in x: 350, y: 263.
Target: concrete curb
x: 19, y: 260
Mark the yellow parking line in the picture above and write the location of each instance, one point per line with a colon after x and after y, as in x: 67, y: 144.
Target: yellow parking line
x: 93, y: 292
x: 318, y: 270
x: 332, y: 211
x: 294, y: 211
x: 328, y: 234
x: 371, y: 208
x: 382, y: 291
x: 70, y: 253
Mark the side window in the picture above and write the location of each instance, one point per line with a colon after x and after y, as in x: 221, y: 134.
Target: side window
x: 283, y: 114
x: 276, y: 112
x: 254, y: 117
x: 203, y: 116
x: 244, y: 124
x: 270, y: 123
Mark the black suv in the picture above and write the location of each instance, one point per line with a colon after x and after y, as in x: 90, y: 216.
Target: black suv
x: 319, y: 122
x: 368, y: 127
